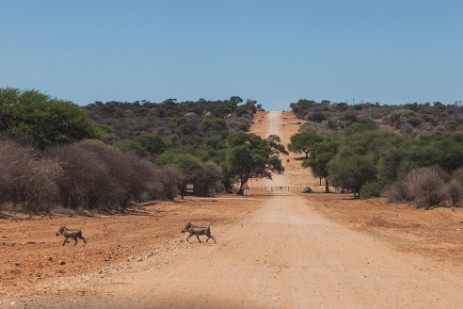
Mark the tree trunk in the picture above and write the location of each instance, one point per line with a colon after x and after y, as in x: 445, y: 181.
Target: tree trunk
x: 327, y: 186
x: 226, y: 184
x: 242, y: 183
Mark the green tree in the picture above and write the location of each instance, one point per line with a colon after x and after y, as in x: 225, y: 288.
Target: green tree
x: 187, y: 164
x: 275, y: 142
x: 213, y: 124
x: 351, y: 172
x: 145, y: 145
x: 302, y: 142
x: 250, y: 156
x: 208, y: 179
x: 205, y: 177
x: 371, y: 142
x: 226, y: 108
x: 30, y: 117
x: 321, y: 155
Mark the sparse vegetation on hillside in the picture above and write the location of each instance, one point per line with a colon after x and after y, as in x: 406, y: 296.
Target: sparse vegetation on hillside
x: 181, y: 122
x: 413, y: 119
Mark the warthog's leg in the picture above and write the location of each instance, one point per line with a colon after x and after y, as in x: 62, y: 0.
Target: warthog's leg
x: 210, y: 236
x: 198, y: 238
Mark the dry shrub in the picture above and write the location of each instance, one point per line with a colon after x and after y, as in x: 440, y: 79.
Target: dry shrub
x: 396, y: 192
x: 129, y: 175
x: 454, y: 191
x: 26, y: 180
x: 406, y: 128
x: 88, y: 175
x: 168, y: 182
x: 85, y: 181
x: 96, y: 175
x: 457, y: 176
x: 239, y: 123
x: 427, y: 187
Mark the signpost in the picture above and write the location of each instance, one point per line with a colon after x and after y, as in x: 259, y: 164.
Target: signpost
x: 189, y: 189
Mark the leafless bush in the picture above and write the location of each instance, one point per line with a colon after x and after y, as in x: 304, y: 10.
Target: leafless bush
x: 40, y: 185
x: 88, y: 175
x: 439, y: 128
x: 396, y: 192
x: 26, y: 180
x: 425, y: 126
x: 167, y: 184
x: 308, y: 126
x: 129, y: 176
x: 85, y: 180
x: 426, y: 186
x: 406, y: 128
x: 239, y: 123
x: 457, y: 176
x: 454, y: 191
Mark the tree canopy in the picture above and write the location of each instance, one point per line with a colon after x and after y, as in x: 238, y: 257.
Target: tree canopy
x: 250, y: 156
x: 34, y: 118
x: 351, y: 172
x: 322, y: 153
x: 302, y: 142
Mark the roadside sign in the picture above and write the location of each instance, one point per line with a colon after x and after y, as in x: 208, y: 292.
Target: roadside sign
x: 189, y: 189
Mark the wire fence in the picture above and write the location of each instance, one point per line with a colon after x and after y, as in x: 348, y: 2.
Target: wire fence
x: 276, y: 189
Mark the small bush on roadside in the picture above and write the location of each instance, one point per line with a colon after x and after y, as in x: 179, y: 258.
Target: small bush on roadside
x: 425, y: 185
x: 396, y: 192
x: 167, y: 184
x: 454, y: 191
x: 372, y: 189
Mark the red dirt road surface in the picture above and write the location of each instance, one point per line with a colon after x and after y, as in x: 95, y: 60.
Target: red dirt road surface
x: 276, y: 248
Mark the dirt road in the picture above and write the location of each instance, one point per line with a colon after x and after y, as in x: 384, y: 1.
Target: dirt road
x: 285, y: 254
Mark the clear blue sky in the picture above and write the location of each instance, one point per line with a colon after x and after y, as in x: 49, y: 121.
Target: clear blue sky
x: 275, y: 52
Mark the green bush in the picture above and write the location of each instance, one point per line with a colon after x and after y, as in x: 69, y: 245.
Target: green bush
x: 372, y: 189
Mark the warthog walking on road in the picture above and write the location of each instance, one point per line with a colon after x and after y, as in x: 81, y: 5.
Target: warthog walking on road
x: 198, y: 231
x: 74, y: 234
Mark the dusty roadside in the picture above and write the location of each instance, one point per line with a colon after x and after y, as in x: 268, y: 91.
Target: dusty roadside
x: 32, y: 255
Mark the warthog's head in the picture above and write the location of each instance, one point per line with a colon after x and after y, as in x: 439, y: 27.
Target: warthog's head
x: 187, y: 227
x: 60, y: 231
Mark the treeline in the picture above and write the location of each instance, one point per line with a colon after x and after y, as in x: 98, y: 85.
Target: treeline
x: 369, y: 157
x: 54, y: 153
x: 178, y: 121
x: 413, y: 118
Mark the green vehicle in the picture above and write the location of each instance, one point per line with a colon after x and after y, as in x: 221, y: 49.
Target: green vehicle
x: 307, y: 190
